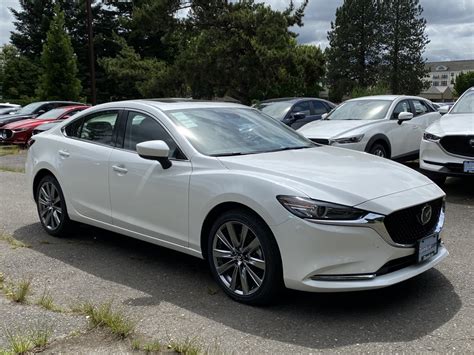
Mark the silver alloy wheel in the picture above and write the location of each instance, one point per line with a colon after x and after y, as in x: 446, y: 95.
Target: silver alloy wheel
x: 379, y: 152
x: 238, y: 258
x: 49, y: 203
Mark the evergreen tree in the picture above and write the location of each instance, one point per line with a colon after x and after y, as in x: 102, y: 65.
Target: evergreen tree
x: 59, y: 79
x: 464, y: 81
x: 404, y: 42
x: 354, y: 47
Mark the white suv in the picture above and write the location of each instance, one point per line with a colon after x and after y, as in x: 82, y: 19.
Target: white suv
x: 447, y: 148
x: 388, y: 126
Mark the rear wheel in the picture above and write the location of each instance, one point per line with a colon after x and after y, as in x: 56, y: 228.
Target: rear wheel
x: 52, y: 207
x: 379, y: 150
x: 244, y: 258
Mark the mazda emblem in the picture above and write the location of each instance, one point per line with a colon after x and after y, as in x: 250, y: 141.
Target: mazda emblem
x: 425, y: 215
x: 471, y: 142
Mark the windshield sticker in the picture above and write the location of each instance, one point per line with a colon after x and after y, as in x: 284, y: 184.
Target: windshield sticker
x: 185, y: 120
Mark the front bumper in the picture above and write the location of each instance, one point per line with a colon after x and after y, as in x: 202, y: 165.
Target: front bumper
x: 334, y: 257
x: 433, y: 158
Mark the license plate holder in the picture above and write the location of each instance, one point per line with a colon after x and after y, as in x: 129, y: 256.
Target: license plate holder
x: 427, y: 247
x: 468, y: 167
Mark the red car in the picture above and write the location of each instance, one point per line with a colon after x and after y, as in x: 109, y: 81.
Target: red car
x: 20, y: 132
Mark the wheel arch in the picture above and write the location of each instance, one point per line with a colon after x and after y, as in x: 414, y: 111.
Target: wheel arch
x: 38, y: 176
x: 215, y: 212
x: 382, y: 139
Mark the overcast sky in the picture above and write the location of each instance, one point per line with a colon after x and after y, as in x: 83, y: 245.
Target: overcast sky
x: 450, y: 25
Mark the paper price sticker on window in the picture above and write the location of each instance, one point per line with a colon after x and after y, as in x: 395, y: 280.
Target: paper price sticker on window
x: 184, y: 120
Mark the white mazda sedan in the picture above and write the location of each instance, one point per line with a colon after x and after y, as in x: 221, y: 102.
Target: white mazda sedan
x: 263, y: 205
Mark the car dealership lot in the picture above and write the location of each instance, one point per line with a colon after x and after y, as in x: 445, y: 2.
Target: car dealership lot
x: 171, y: 295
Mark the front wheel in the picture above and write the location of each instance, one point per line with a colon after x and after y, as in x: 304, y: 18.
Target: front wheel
x: 379, y: 150
x: 244, y: 258
x: 52, y: 207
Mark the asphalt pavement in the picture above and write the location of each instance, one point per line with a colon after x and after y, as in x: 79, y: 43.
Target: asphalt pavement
x: 171, y: 296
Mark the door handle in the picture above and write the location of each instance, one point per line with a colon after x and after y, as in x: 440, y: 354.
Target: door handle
x: 120, y: 169
x: 63, y: 153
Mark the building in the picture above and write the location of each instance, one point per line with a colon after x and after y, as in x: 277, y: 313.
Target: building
x: 442, y: 76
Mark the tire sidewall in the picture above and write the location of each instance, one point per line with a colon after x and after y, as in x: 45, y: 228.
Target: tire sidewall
x: 377, y: 147
x: 273, y: 271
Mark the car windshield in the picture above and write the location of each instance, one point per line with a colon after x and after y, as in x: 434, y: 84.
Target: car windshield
x: 465, y: 104
x: 276, y: 110
x: 29, y: 109
x: 235, y: 131
x: 52, y: 114
x: 361, y: 110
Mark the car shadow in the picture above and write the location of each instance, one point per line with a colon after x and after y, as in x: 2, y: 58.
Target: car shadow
x: 400, y: 313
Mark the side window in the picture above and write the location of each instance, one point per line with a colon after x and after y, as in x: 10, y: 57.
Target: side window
x: 402, y: 106
x: 97, y: 127
x: 46, y: 108
x: 142, y: 128
x: 319, y: 108
x: 303, y: 107
x: 420, y: 107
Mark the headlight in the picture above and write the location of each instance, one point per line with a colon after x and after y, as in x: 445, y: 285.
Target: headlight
x: 307, y: 208
x: 345, y: 140
x: 19, y: 130
x: 431, y: 137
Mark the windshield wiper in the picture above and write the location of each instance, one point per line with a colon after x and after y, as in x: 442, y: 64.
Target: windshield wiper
x: 228, y: 154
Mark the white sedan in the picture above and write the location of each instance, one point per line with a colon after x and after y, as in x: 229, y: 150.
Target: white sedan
x: 390, y: 126
x: 447, y: 148
x: 266, y: 207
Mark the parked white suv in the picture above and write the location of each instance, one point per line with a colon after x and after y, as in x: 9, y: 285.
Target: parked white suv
x: 388, y: 126
x: 447, y: 148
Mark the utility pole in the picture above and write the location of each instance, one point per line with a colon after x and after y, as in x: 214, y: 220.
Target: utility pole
x: 91, y: 51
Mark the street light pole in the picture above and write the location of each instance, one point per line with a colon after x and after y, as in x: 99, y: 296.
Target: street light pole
x: 91, y: 51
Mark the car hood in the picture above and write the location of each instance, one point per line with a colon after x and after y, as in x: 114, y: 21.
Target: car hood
x: 331, y: 174
x: 333, y: 129
x: 454, y: 124
x: 6, y: 119
x: 28, y: 123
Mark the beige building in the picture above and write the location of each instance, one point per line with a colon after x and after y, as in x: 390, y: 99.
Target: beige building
x: 442, y: 76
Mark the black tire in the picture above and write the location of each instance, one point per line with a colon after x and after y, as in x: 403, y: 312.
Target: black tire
x: 57, y: 229
x: 379, y: 150
x: 272, y: 278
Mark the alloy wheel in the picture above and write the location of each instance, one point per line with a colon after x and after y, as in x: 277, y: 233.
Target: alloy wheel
x: 49, y: 203
x: 238, y: 258
x: 379, y: 152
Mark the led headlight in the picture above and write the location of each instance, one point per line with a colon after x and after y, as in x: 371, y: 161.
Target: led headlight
x: 19, y: 130
x: 307, y: 208
x: 431, y: 137
x: 345, y: 140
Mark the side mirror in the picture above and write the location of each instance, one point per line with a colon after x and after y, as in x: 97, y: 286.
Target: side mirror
x: 404, y: 116
x: 155, y: 150
x: 323, y: 116
x: 299, y: 116
x: 65, y: 117
x: 40, y: 112
x: 444, y: 109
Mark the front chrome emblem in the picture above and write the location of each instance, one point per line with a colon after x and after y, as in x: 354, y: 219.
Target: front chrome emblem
x: 425, y: 216
x: 471, y: 142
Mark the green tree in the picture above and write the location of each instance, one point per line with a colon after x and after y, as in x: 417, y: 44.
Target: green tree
x: 354, y: 47
x: 59, y: 78
x: 404, y: 41
x: 464, y: 81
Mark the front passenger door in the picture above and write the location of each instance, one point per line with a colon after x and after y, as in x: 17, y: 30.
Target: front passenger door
x: 146, y: 198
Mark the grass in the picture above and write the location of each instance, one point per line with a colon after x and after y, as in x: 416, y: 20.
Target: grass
x: 9, y: 150
x: 32, y: 340
x: 11, y: 170
x: 46, y: 301
x: 152, y: 347
x: 187, y: 347
x: 14, y: 243
x: 103, y: 315
x: 17, y: 292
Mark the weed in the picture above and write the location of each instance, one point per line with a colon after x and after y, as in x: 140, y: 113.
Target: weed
x: 17, y: 292
x: 187, y: 347
x: 14, y: 243
x: 46, y: 301
x: 104, y: 316
x: 34, y: 339
x: 11, y: 170
x: 8, y: 150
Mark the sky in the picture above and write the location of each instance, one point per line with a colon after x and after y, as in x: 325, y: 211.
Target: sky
x: 450, y: 25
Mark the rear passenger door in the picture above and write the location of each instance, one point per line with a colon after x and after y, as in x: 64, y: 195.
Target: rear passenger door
x: 86, y: 153
x: 146, y: 198
x: 424, y: 115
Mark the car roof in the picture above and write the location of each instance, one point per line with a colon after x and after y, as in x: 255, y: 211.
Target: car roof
x: 173, y: 104
x: 291, y: 99
x: 386, y: 97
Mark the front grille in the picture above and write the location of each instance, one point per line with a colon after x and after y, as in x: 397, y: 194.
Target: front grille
x: 5, y: 133
x: 405, y: 226
x: 320, y: 141
x: 459, y: 145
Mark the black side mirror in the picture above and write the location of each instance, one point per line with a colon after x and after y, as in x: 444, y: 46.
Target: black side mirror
x: 40, y: 112
x: 299, y: 116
